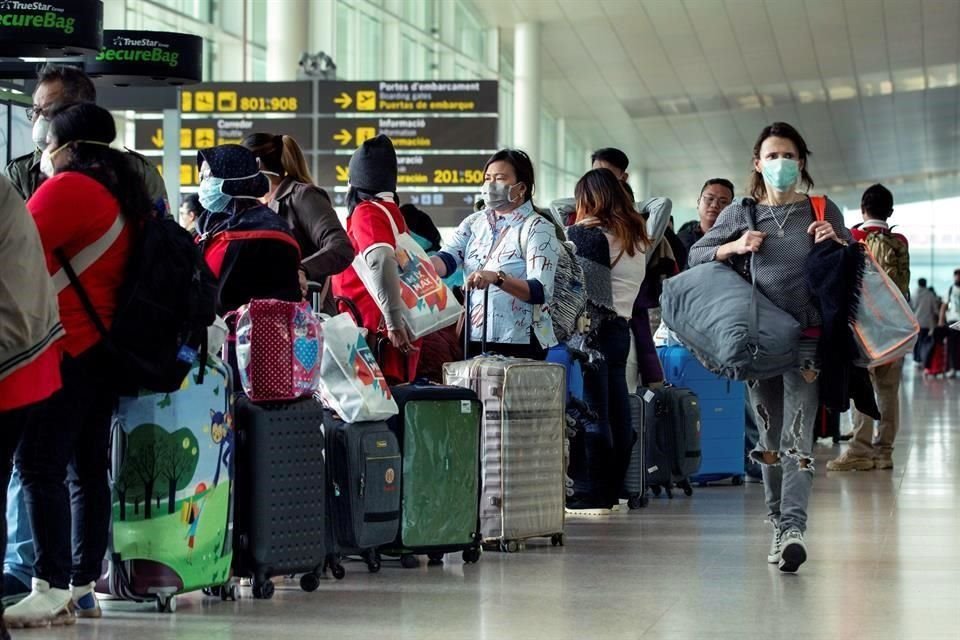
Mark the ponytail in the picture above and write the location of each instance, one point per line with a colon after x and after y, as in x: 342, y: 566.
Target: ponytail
x: 292, y: 160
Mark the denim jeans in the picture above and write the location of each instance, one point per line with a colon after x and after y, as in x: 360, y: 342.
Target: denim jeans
x: 19, y: 556
x: 74, y: 432
x: 605, y: 391
x: 786, y: 409
x: 12, y: 426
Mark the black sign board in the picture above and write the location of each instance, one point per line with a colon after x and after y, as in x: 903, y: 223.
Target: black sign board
x: 50, y: 28
x: 413, y: 133
x: 189, y: 170
x: 210, y: 132
x: 417, y: 170
x: 147, y: 58
x: 420, y: 96
x: 248, y: 97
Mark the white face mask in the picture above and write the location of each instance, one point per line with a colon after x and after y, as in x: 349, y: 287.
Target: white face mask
x: 40, y: 129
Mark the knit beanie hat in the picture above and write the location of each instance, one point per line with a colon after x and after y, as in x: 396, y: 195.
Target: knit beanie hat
x: 373, y: 166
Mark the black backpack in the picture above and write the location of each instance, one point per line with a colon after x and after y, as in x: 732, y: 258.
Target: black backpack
x: 164, y: 306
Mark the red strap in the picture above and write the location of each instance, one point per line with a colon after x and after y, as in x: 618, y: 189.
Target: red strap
x: 819, y: 204
x: 280, y: 236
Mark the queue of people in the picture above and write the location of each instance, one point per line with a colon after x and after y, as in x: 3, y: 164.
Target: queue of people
x: 257, y: 205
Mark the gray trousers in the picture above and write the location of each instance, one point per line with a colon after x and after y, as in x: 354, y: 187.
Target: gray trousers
x: 786, y: 409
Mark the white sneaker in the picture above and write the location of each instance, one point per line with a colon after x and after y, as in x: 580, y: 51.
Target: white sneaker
x: 44, y: 606
x: 951, y: 374
x: 794, y: 551
x: 773, y: 556
x: 85, y: 603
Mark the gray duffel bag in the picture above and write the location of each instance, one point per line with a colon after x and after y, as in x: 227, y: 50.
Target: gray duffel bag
x: 732, y: 328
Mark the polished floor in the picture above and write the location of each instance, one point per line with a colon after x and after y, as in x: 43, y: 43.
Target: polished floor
x: 885, y: 565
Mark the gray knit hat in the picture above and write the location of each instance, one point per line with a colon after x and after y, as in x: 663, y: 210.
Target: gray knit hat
x: 373, y: 166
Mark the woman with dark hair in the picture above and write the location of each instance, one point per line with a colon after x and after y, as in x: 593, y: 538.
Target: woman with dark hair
x: 324, y: 244
x: 784, y: 233
x: 87, y: 212
x: 513, y: 247
x: 611, y: 240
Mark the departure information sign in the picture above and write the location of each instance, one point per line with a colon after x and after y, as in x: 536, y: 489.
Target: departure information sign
x: 210, y: 132
x: 417, y: 170
x: 416, y: 133
x: 428, y: 96
x: 248, y: 97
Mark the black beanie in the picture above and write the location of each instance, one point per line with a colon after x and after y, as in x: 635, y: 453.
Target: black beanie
x: 373, y: 166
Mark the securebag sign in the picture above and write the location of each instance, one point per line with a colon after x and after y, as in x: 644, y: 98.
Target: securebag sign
x: 50, y: 28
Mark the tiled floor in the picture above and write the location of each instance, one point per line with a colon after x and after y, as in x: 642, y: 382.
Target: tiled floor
x: 885, y: 565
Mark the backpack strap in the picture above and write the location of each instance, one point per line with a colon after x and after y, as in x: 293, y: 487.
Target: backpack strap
x: 86, y: 257
x: 819, y: 205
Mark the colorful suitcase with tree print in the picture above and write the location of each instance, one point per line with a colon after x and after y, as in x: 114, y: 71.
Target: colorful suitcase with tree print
x: 172, y: 486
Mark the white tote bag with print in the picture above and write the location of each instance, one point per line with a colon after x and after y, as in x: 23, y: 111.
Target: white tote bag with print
x: 351, y: 382
x: 428, y: 303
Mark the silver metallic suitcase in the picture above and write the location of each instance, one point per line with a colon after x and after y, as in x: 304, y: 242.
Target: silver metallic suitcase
x: 522, y: 458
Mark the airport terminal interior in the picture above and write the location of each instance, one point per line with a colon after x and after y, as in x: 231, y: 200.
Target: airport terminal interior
x: 683, y: 88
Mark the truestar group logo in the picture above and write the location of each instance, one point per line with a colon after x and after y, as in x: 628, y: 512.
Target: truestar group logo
x: 139, y: 50
x: 43, y: 16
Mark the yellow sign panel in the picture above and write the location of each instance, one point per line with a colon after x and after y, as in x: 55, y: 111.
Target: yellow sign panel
x: 226, y: 101
x: 364, y: 134
x: 204, y: 101
x: 343, y: 173
x: 366, y: 100
x: 186, y: 138
x: 205, y: 138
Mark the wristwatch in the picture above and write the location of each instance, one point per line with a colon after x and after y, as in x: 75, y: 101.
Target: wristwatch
x: 501, y: 276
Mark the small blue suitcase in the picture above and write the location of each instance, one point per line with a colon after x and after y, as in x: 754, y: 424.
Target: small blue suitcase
x: 722, y: 410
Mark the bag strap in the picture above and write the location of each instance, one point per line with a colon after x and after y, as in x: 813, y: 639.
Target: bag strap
x: 753, y: 327
x: 393, y: 225
x: 619, y: 255
x: 351, y: 308
x: 819, y: 206
x: 86, y: 257
x: 74, y: 280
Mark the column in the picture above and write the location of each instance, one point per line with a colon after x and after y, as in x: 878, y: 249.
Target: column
x: 288, y: 23
x: 526, y: 90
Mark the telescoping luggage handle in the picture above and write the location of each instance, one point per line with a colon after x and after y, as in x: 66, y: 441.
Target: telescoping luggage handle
x: 468, y: 321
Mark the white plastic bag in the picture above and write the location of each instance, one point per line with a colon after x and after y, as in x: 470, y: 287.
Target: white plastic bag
x: 351, y: 383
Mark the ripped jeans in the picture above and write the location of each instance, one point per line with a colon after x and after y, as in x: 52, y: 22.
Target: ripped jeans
x: 786, y: 408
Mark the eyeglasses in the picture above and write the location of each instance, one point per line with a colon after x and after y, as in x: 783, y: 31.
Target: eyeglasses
x: 709, y: 201
x: 33, y: 112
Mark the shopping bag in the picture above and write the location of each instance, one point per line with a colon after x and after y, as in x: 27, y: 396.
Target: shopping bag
x: 351, y: 383
x: 278, y: 349
x: 429, y: 305
x: 885, y: 329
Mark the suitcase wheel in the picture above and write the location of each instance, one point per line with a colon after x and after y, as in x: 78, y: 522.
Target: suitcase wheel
x: 655, y: 489
x: 336, y: 569
x: 230, y: 592
x: 263, y: 590
x: 687, y: 488
x: 409, y: 561
x: 372, y: 558
x: 471, y: 556
x: 737, y: 481
x: 556, y: 539
x: 309, y: 582
x: 435, y: 559
x: 509, y: 546
x: 638, y: 502
x: 166, y: 604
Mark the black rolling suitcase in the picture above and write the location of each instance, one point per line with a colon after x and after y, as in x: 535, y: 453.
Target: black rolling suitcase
x: 673, y: 440
x: 635, y: 480
x: 364, y: 470
x: 281, y: 493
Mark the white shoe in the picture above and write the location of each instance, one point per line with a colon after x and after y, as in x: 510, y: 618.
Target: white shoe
x: 773, y: 556
x: 85, y: 603
x: 951, y: 374
x: 44, y: 606
x: 794, y: 551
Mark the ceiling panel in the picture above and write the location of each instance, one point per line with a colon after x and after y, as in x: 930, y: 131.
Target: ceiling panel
x: 685, y: 86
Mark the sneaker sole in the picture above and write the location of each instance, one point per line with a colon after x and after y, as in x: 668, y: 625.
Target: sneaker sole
x: 593, y: 513
x: 856, y: 466
x: 63, y: 619
x: 89, y: 614
x: 792, y: 556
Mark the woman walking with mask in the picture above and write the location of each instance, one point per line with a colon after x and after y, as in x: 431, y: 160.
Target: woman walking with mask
x: 512, y: 249
x: 786, y: 406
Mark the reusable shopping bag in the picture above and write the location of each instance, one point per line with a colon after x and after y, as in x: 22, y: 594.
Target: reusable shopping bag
x: 885, y: 329
x: 429, y: 305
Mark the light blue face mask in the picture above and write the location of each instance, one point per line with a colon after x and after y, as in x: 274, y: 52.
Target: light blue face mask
x: 781, y: 174
x: 423, y: 242
x: 211, y: 195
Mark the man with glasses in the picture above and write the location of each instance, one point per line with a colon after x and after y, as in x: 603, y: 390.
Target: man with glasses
x: 58, y: 85
x: 715, y: 195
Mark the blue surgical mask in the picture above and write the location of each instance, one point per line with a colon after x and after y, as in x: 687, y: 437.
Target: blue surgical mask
x: 212, y: 197
x: 781, y: 173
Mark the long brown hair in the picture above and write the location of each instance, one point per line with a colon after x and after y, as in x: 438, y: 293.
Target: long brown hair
x: 280, y: 155
x: 601, y: 196
x: 758, y: 188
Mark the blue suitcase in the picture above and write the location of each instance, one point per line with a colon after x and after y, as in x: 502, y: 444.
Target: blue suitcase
x: 723, y: 414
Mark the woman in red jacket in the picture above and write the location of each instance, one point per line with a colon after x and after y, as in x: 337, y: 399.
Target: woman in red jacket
x: 372, y: 197
x: 86, y: 211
